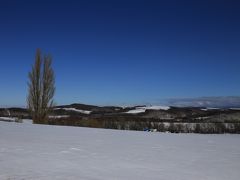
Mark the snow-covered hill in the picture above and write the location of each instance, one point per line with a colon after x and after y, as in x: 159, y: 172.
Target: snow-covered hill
x: 142, y: 109
x: 54, y: 152
x: 74, y: 109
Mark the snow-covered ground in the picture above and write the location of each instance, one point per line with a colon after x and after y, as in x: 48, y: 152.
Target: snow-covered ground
x: 76, y: 110
x: 59, y: 116
x: 144, y: 108
x: 207, y: 109
x: 8, y: 119
x: 55, y: 152
x: 236, y: 109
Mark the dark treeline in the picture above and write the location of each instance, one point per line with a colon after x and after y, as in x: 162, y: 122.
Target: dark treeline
x: 143, y: 124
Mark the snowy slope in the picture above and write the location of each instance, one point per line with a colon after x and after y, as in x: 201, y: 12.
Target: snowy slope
x: 7, y: 119
x: 144, y: 108
x: 136, y: 111
x: 59, y: 116
x: 53, y: 152
x: 76, y: 110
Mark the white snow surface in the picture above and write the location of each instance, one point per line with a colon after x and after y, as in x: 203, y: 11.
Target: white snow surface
x: 237, y: 109
x: 59, y: 116
x: 144, y: 108
x: 8, y: 118
x: 206, y: 109
x: 157, y: 107
x: 136, y: 111
x: 42, y: 152
x: 76, y: 110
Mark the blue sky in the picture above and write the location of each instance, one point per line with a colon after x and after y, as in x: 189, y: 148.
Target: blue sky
x: 122, y: 52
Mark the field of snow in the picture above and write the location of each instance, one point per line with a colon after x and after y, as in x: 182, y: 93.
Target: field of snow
x: 144, y: 108
x: 59, y: 116
x: 7, y: 119
x: 76, y: 110
x: 55, y: 152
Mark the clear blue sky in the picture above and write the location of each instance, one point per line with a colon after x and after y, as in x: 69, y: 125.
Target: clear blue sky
x: 116, y: 52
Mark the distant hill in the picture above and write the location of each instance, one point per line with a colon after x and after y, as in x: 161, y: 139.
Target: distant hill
x: 161, y: 118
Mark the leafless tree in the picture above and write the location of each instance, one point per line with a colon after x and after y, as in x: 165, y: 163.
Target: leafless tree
x: 41, y: 88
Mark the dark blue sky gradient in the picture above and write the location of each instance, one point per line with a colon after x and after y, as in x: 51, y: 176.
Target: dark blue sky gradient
x: 122, y: 52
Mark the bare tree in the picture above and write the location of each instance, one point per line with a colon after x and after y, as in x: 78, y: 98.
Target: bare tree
x: 41, y: 88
